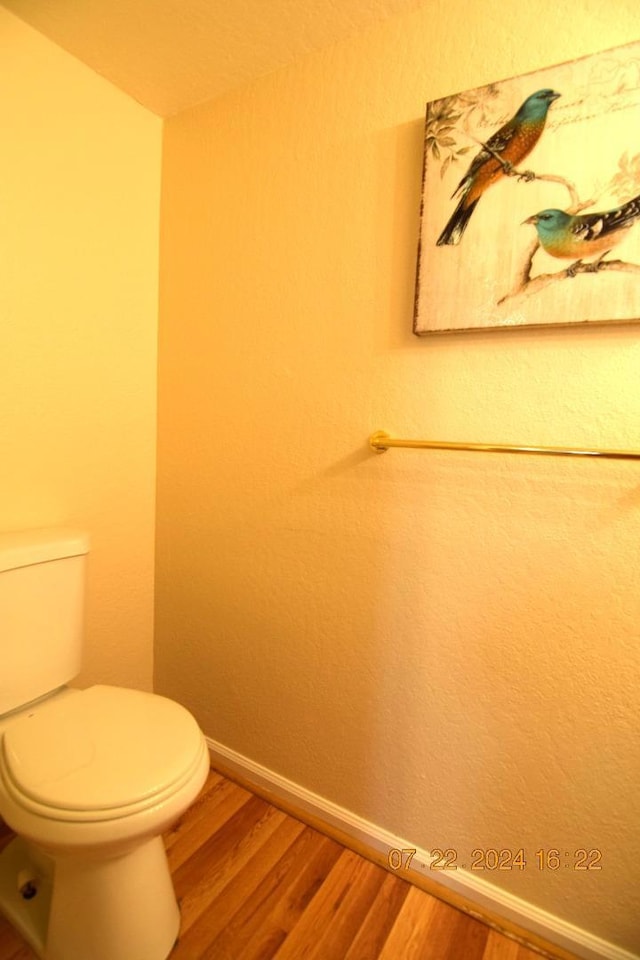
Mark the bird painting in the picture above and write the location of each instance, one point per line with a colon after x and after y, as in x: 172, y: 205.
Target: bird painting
x: 580, y: 236
x: 553, y: 141
x: 504, y: 150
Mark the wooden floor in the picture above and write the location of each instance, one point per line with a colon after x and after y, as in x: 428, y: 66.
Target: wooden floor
x: 256, y: 884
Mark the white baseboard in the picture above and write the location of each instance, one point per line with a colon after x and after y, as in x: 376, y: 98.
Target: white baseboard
x: 479, y: 893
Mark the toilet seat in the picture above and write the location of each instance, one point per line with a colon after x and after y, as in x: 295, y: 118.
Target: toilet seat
x: 100, y: 754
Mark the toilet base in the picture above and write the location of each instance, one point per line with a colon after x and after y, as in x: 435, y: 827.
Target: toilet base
x: 121, y: 908
x: 28, y: 916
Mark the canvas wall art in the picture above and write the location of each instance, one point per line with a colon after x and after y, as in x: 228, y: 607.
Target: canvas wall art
x: 531, y: 200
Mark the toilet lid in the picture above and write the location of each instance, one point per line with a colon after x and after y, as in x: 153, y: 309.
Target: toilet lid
x: 101, y: 749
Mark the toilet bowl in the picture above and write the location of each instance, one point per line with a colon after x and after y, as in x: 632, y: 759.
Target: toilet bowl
x: 89, y: 779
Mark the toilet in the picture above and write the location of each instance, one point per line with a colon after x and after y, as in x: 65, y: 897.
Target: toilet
x: 89, y: 779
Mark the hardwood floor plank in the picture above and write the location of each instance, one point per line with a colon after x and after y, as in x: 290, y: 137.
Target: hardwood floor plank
x: 201, y: 879
x: 407, y: 936
x: 215, y: 784
x: 501, y: 947
x: 377, y: 925
x: 525, y: 954
x: 227, y: 888
x: 330, y: 922
x: 258, y: 929
x: 211, y: 811
x: 453, y: 933
x: 350, y: 912
x: 498, y: 947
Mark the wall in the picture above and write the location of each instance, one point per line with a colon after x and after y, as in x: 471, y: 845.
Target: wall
x: 445, y: 644
x: 79, y: 212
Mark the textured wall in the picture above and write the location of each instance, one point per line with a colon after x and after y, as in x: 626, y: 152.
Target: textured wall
x: 446, y: 644
x: 80, y: 182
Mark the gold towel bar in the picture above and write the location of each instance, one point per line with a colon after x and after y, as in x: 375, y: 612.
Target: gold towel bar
x: 381, y: 441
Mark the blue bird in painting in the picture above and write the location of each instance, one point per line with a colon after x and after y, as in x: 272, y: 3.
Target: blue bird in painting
x: 576, y: 236
x: 503, y: 151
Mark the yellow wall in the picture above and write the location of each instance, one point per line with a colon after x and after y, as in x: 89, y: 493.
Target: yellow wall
x: 444, y: 644
x: 79, y: 212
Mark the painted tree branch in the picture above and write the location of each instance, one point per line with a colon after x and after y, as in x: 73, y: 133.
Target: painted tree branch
x: 530, y: 285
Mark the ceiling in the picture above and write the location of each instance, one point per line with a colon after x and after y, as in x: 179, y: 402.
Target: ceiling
x: 173, y: 54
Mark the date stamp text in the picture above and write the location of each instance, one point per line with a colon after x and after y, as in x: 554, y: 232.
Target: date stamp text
x: 492, y: 858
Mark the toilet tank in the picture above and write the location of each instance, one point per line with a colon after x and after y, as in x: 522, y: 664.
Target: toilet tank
x: 41, y: 612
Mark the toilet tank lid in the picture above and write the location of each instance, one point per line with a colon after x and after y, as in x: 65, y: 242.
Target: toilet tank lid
x: 27, y: 547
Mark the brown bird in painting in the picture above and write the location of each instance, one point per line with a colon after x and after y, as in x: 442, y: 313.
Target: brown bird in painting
x: 503, y: 151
